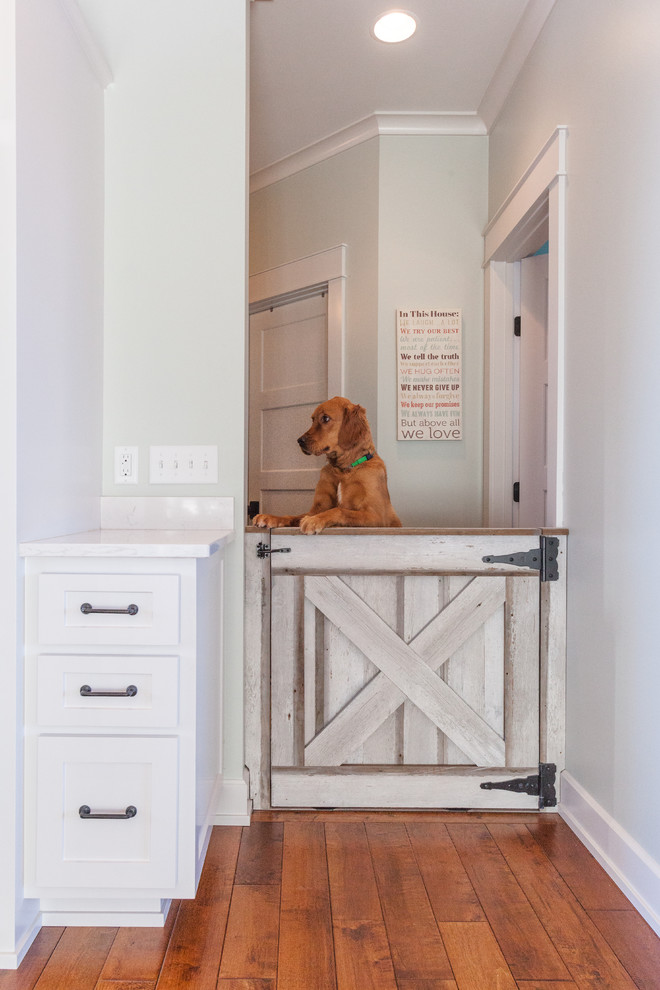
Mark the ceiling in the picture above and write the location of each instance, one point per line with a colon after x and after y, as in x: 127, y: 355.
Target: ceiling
x: 316, y: 70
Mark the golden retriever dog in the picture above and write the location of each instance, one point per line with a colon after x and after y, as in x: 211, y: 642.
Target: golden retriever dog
x: 352, y: 489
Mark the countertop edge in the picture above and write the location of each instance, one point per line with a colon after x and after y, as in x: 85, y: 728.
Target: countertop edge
x: 130, y: 543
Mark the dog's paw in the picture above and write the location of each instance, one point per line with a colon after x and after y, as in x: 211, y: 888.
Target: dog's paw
x: 264, y: 521
x: 311, y: 524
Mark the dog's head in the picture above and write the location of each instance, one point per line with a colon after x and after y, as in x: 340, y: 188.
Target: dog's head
x: 338, y: 428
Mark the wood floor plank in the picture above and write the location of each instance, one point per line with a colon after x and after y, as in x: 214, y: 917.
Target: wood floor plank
x: 527, y: 948
x: 475, y: 957
x: 590, y: 960
x: 260, y: 856
x: 415, y: 944
x: 362, y: 954
x: 427, y: 985
x: 251, y: 941
x: 306, y: 957
x: 34, y: 963
x: 594, y: 889
x: 137, y: 953
x: 452, y: 896
x: 125, y: 985
x: 247, y: 984
x: 193, y: 955
x: 635, y: 943
x: 546, y: 985
x: 77, y: 960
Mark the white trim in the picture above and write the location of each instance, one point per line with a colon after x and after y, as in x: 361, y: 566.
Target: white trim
x: 12, y: 960
x: 536, y: 203
x: 379, y: 123
x: 522, y: 41
x: 88, y: 43
x: 323, y: 268
x: 629, y: 865
x: 233, y: 805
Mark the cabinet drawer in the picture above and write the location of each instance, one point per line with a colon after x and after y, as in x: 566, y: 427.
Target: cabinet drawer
x: 130, y: 609
x: 107, y: 776
x: 107, y: 691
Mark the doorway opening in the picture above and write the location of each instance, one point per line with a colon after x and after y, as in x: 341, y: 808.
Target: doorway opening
x: 524, y: 427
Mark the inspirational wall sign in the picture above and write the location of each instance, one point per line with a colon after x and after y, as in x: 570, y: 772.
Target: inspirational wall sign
x: 429, y: 374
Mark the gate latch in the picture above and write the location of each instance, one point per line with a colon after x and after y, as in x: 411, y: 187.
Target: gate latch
x: 543, y: 558
x: 541, y: 784
x: 263, y: 550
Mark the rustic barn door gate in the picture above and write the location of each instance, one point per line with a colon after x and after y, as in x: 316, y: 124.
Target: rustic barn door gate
x: 407, y: 669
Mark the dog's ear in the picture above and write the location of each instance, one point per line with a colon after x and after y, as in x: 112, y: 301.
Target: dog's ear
x: 354, y: 427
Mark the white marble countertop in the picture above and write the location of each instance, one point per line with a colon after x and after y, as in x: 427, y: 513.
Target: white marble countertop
x: 131, y: 543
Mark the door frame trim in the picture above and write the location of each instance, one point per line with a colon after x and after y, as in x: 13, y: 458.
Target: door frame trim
x: 534, y: 209
x: 322, y: 268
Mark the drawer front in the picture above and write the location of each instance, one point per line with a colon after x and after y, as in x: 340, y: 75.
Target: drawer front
x: 107, y: 691
x: 132, y: 778
x: 106, y: 609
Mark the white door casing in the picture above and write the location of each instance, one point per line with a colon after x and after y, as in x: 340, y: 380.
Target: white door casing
x: 533, y: 213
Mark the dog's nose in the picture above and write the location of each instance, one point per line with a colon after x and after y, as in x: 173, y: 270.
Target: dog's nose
x: 301, y: 441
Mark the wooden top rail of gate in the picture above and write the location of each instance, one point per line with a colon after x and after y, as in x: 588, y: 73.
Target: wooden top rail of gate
x: 416, y: 551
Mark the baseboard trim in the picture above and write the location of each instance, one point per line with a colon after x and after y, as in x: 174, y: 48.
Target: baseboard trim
x: 12, y: 960
x: 630, y: 866
x: 233, y: 805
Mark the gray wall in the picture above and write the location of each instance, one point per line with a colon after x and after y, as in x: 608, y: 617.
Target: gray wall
x: 595, y: 68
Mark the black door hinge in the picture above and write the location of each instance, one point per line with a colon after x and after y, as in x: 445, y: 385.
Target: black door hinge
x: 541, y: 784
x: 516, y: 326
x: 543, y: 558
x: 516, y: 491
x: 263, y: 550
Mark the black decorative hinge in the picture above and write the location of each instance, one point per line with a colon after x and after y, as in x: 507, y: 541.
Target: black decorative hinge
x: 263, y: 550
x: 544, y: 558
x: 541, y: 784
x: 516, y: 326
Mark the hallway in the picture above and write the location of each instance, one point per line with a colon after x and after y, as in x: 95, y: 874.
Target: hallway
x: 383, y: 900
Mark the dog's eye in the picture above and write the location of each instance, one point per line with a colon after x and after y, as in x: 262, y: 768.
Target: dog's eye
x: 325, y: 419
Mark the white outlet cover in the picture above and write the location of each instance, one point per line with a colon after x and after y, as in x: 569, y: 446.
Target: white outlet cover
x: 126, y: 465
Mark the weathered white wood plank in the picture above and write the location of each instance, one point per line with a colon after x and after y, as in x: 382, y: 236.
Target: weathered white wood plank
x: 521, y: 705
x: 287, y: 703
x: 411, y: 675
x: 399, y: 787
x: 553, y: 664
x: 257, y: 671
x: 464, y: 672
x: 396, y: 552
x: 422, y: 600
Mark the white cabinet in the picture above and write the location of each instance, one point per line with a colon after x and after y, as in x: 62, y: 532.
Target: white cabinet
x: 123, y: 742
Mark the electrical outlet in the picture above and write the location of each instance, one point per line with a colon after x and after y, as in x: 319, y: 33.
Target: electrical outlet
x: 183, y: 465
x: 126, y: 465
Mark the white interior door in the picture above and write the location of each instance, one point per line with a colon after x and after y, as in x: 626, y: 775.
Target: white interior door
x: 288, y: 379
x: 531, y: 450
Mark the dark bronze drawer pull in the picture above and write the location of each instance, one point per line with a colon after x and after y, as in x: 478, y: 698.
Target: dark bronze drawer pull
x: 128, y: 692
x: 88, y: 609
x: 85, y: 812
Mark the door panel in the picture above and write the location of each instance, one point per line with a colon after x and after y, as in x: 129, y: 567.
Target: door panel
x: 288, y: 379
x: 396, y: 687
x: 533, y: 392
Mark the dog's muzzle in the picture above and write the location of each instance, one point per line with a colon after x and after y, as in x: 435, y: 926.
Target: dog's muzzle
x: 303, y: 444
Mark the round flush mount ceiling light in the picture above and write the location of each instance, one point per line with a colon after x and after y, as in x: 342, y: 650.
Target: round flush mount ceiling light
x: 395, y: 25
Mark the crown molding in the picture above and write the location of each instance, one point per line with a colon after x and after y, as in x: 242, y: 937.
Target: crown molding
x: 517, y: 51
x: 377, y: 124
x: 87, y: 42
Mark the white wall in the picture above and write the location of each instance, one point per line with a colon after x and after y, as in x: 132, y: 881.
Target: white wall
x: 433, y: 207
x: 596, y: 68
x: 411, y: 211
x: 334, y: 202
x: 175, y: 273
x: 51, y: 240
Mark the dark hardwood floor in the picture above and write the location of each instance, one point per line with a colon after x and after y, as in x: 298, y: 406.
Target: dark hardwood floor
x: 389, y: 901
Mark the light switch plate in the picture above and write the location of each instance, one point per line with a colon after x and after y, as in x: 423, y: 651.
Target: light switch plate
x: 183, y: 465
